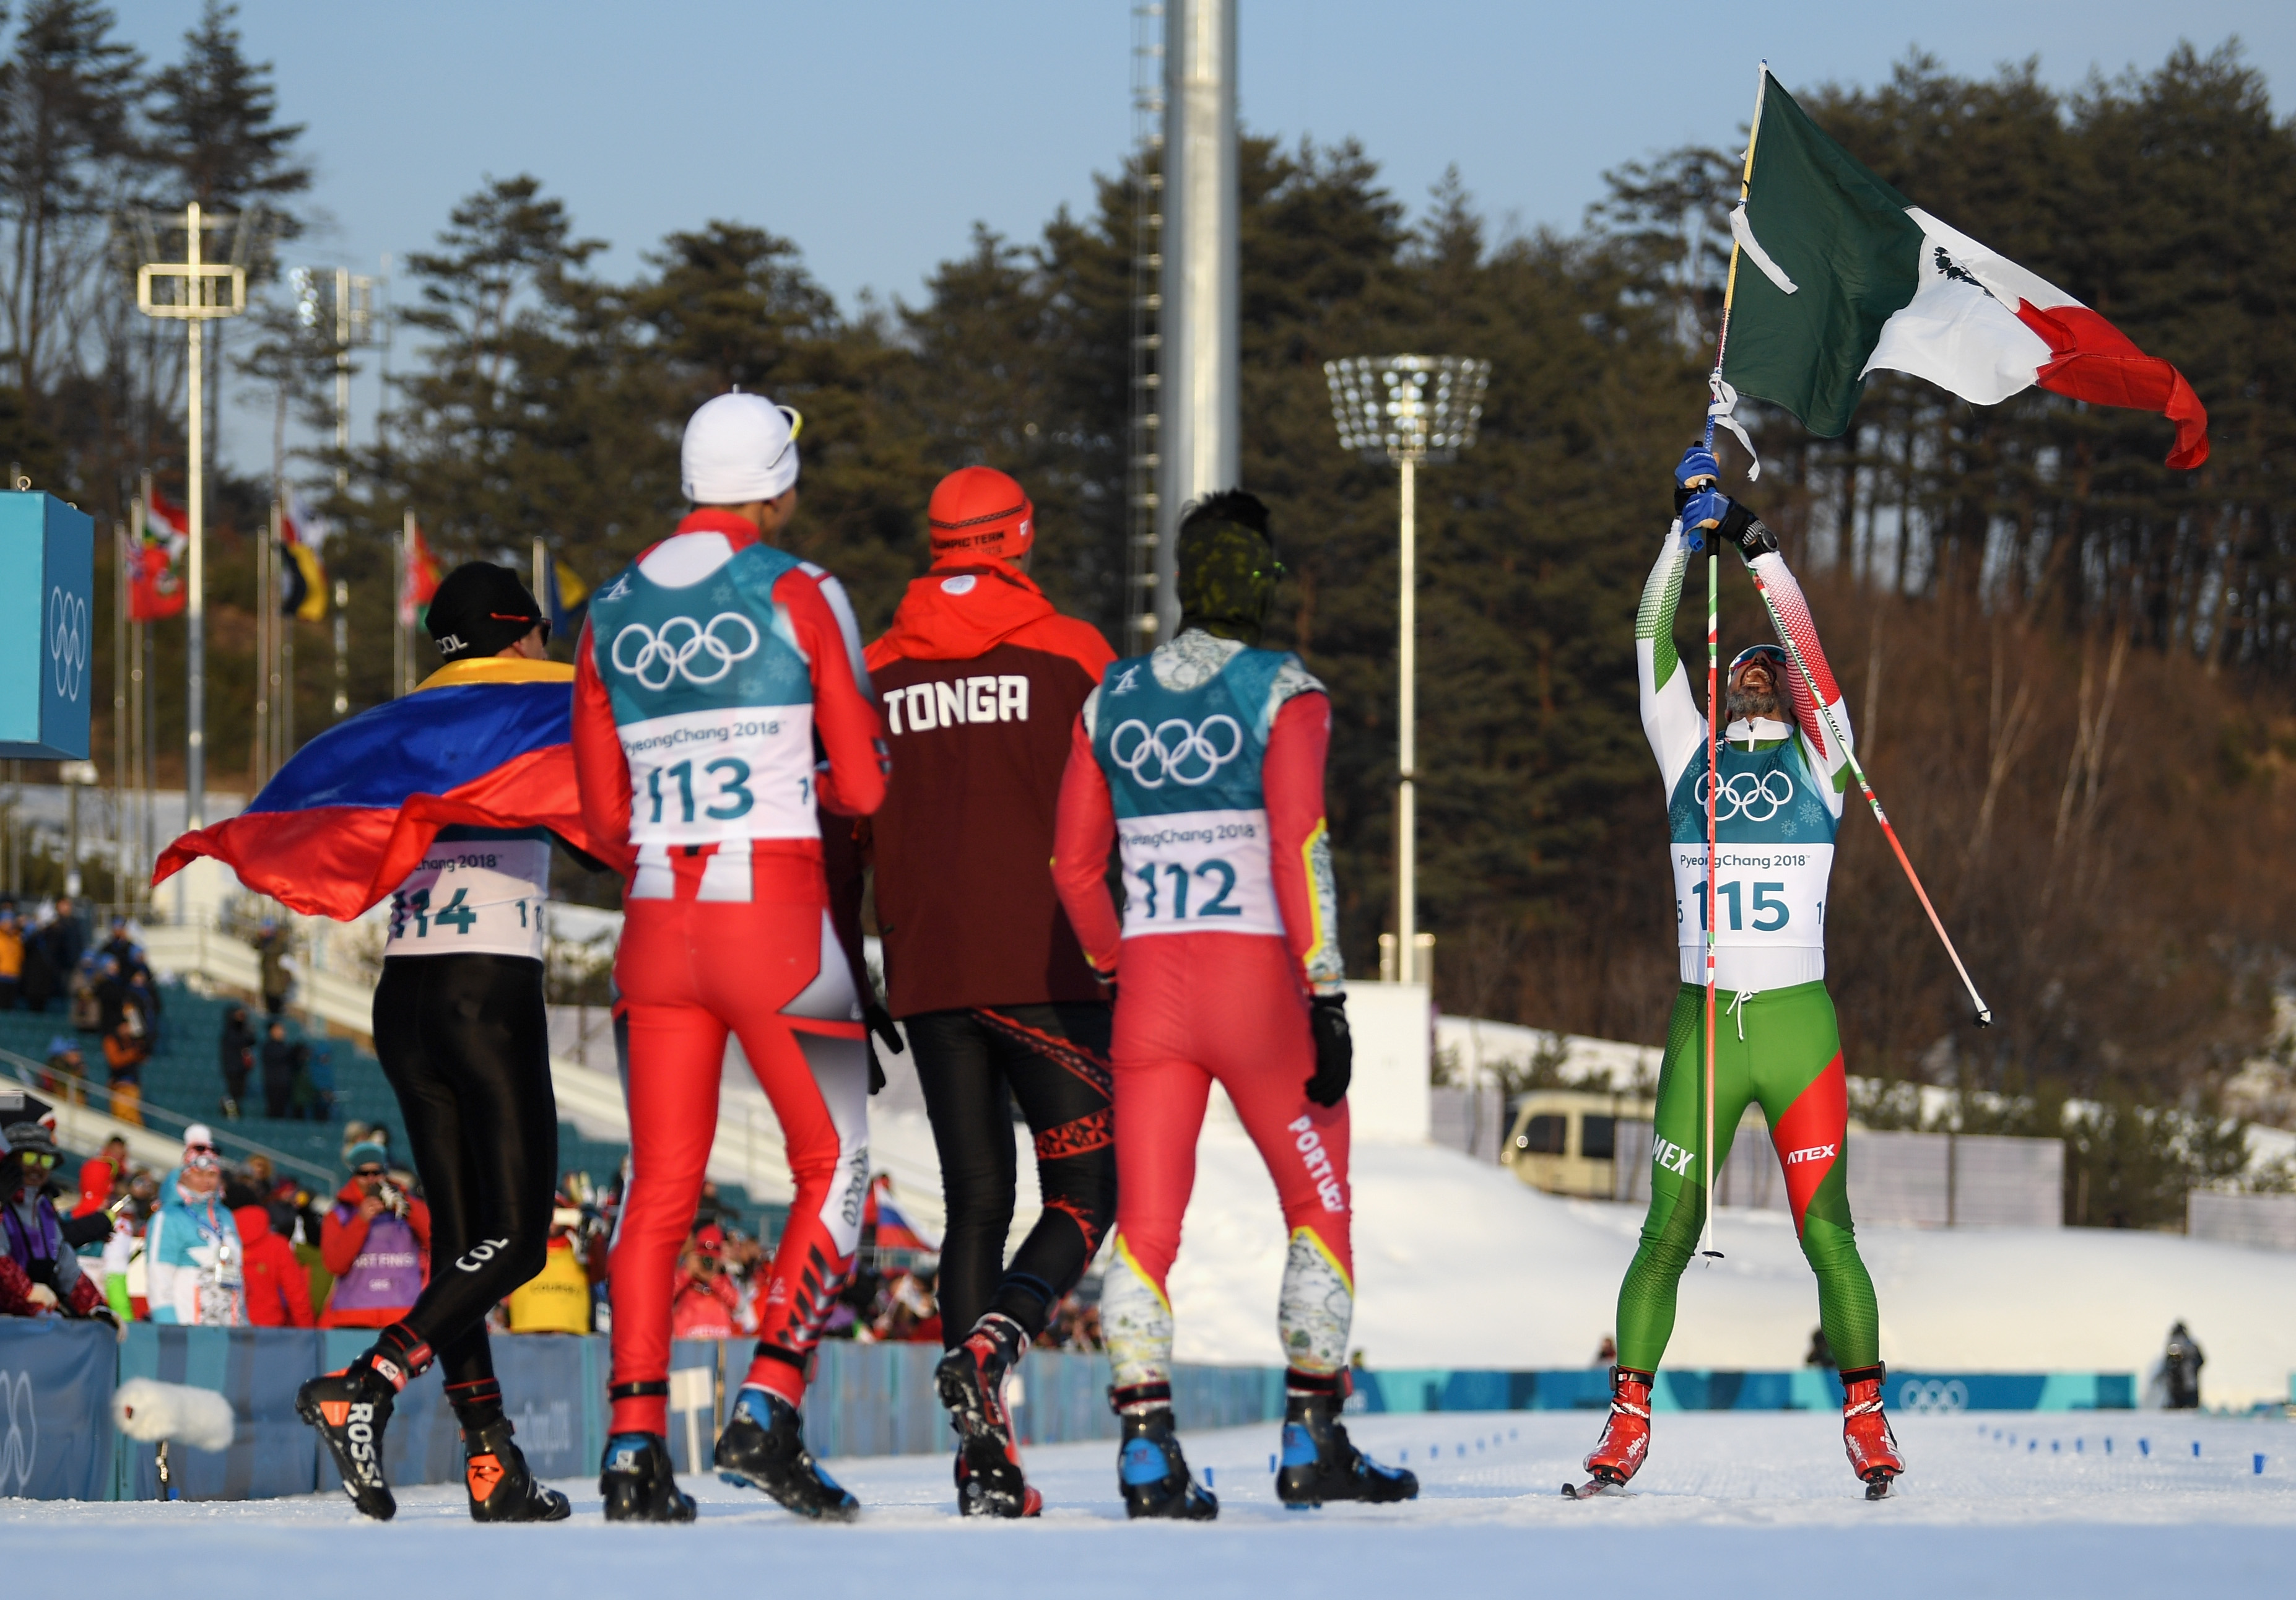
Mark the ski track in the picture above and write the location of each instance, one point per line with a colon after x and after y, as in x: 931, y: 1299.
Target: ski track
x: 1728, y: 1506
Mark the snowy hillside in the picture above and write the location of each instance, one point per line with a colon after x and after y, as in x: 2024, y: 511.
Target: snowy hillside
x: 1457, y: 1264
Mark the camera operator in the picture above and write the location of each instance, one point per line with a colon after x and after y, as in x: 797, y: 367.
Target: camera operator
x: 376, y: 1240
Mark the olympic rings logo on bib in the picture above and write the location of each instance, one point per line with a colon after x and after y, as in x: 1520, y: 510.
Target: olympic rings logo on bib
x: 672, y: 651
x: 1186, y: 755
x: 1750, y: 795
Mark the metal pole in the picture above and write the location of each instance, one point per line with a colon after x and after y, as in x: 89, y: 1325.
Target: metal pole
x: 541, y: 572
x: 405, y: 586
x: 119, y: 576
x: 264, y: 677
x: 1200, y: 396
x: 342, y: 379
x: 195, y: 607
x: 1406, y: 757
x: 342, y: 650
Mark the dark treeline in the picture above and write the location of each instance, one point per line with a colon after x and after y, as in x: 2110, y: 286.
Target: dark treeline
x: 2072, y: 667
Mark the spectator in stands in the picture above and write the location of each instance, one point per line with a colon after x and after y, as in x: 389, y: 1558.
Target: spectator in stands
x: 122, y: 948
x: 110, y: 990
x: 557, y: 1298
x: 39, y: 1275
x: 314, y: 1099
x: 1606, y: 1352
x: 271, y: 956
x: 67, y: 1073
x: 126, y: 1049
x: 194, y: 1260
x: 235, y: 1057
x: 703, y: 1301
x: 283, y: 1064
x: 376, y: 1240
x: 1821, y: 1351
x: 101, y: 1177
x: 12, y: 957
x: 64, y: 936
x: 144, y: 996
x: 278, y: 1288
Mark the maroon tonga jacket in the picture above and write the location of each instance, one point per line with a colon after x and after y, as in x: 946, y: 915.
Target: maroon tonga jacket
x: 981, y: 681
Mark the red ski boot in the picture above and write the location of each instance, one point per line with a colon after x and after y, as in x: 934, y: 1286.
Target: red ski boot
x: 1865, y: 1432
x: 1619, y: 1455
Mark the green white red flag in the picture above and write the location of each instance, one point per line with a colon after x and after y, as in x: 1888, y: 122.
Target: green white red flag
x: 1838, y: 275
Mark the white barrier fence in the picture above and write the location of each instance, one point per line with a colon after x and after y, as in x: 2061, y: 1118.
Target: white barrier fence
x: 2267, y: 1221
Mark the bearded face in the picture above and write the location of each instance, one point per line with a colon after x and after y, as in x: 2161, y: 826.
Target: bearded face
x: 1753, y: 693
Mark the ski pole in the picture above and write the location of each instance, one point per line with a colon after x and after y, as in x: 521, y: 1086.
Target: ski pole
x: 1984, y: 1012
x: 1713, y: 790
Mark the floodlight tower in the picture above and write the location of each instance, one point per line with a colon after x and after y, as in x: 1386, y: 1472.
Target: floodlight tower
x: 1198, y: 397
x: 196, y: 293
x: 1408, y: 411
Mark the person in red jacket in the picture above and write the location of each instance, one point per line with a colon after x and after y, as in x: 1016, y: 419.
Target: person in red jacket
x: 278, y: 1286
x: 99, y: 1174
x: 1203, y: 762
x: 714, y: 675
x: 981, y: 679
x: 376, y: 1240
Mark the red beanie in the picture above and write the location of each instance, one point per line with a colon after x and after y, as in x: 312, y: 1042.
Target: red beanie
x: 980, y: 515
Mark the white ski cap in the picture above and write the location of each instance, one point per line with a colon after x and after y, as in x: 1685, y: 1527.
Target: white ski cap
x: 198, y: 1136
x: 738, y: 448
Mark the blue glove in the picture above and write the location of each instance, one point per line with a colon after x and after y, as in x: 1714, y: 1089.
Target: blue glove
x: 1702, y: 510
x: 1697, y: 469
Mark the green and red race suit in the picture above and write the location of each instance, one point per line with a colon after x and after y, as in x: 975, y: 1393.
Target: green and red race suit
x: 1776, y: 809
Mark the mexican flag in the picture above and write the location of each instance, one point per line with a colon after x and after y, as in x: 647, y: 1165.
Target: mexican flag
x: 1839, y: 273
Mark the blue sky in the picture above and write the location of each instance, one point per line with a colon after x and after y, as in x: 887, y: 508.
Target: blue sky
x: 875, y: 132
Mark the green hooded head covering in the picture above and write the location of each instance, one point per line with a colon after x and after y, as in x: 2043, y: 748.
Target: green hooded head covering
x: 1227, y: 566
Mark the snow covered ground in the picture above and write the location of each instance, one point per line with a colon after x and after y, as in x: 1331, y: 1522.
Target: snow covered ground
x: 1457, y: 1264
x: 1729, y: 1505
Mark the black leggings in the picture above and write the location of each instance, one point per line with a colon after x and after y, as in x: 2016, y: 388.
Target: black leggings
x: 972, y: 1065
x: 466, y: 1045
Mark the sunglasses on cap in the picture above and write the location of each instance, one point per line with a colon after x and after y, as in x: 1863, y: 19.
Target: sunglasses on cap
x: 201, y: 1161
x: 541, y: 623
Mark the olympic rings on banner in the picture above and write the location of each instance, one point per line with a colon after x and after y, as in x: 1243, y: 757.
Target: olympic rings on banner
x: 68, y: 641
x: 1186, y: 755
x: 1933, y: 1394
x: 671, y: 653
x: 20, y: 1448
x: 1750, y: 795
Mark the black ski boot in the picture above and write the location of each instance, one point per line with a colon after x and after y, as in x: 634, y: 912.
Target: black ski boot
x: 970, y: 1378
x: 1320, y: 1464
x: 636, y: 1481
x: 1154, y: 1476
x: 763, y: 1447
x: 350, y: 1408
x: 501, y: 1489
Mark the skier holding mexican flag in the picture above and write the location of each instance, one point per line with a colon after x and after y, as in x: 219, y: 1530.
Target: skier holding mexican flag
x: 1833, y: 275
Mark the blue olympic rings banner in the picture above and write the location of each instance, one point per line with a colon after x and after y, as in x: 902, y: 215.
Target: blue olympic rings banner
x: 57, y: 1380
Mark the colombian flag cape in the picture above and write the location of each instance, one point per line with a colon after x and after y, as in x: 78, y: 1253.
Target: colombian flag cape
x: 485, y: 743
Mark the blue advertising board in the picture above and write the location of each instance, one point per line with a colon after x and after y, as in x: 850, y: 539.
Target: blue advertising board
x: 56, y: 1379
x: 48, y: 628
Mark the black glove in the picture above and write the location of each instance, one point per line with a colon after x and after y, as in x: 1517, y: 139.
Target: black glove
x: 1741, y: 527
x: 880, y: 1023
x: 1335, y: 1049
x: 103, y: 1314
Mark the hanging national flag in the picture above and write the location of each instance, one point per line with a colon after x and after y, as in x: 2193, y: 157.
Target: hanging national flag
x: 302, y: 576
x: 418, y: 583
x: 568, y: 601
x: 486, y: 742
x: 1840, y: 274
x: 156, y: 565
x: 895, y: 1231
